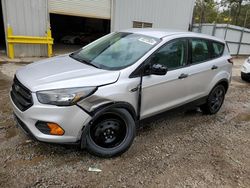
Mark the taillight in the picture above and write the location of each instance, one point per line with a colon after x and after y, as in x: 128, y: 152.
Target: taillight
x: 230, y: 61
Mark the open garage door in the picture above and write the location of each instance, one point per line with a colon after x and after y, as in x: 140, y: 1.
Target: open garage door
x: 73, y: 32
x: 83, y: 8
x: 75, y: 23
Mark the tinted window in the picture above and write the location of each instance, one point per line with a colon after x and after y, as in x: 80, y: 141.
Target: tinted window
x: 200, y: 50
x: 173, y: 55
x: 218, y: 49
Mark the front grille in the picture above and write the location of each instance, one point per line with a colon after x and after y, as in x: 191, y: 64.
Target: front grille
x: 21, y: 96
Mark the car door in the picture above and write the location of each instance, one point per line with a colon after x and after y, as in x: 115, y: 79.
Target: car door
x: 160, y: 93
x: 203, y: 67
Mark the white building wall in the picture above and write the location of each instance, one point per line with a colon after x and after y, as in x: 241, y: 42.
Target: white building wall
x: 174, y: 14
x: 30, y: 18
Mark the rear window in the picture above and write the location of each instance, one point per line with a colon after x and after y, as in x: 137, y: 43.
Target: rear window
x: 218, y: 49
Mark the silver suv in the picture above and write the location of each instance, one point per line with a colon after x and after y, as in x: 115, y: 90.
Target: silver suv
x: 96, y: 96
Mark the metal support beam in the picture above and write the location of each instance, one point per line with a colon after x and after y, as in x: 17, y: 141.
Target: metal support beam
x: 214, y: 29
x: 225, y: 36
x: 241, y: 37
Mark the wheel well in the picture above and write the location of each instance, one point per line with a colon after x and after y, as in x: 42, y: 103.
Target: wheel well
x: 106, y: 108
x: 107, y: 114
x: 224, y: 83
x: 132, y: 112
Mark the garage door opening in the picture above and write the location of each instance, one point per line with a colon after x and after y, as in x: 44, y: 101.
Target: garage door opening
x: 2, y: 33
x: 72, y: 32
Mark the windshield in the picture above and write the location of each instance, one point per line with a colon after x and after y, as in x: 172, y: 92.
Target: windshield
x: 116, y: 51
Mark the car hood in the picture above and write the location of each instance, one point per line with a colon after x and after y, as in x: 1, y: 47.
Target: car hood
x: 63, y: 72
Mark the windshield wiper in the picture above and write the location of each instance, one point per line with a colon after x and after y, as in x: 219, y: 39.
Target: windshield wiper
x: 83, y: 60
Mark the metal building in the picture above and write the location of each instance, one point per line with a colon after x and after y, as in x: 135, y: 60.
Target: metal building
x: 175, y: 14
x: 35, y: 17
x: 26, y: 17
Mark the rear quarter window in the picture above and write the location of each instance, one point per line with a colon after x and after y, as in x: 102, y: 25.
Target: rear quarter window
x: 217, y: 49
x: 200, y: 50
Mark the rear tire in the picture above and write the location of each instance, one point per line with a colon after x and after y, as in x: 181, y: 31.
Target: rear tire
x: 214, y: 100
x: 111, y: 134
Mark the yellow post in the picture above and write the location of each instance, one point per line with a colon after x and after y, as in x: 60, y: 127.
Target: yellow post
x: 50, y: 50
x: 10, y: 45
x: 19, y: 39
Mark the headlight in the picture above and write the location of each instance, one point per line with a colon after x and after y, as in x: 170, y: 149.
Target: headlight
x: 64, y: 97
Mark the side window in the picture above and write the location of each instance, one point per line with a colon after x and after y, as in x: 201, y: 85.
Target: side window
x: 200, y: 50
x: 173, y: 55
x: 218, y: 49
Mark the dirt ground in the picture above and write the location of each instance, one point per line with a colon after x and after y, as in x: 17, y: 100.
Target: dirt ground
x: 184, y: 149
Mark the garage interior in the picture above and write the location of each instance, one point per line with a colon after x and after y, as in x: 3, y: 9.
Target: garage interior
x: 2, y: 33
x: 72, y: 32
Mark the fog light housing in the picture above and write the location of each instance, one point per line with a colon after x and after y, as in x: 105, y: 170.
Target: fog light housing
x: 55, y: 129
x: 49, y: 128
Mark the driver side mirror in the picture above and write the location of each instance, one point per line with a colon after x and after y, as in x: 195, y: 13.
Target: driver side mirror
x: 156, y: 69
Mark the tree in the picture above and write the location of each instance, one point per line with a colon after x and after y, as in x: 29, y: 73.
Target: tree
x: 205, y: 11
x: 222, y: 11
x: 235, y: 7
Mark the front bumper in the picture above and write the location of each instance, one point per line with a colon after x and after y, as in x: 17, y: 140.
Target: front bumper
x: 245, y: 76
x: 72, y: 119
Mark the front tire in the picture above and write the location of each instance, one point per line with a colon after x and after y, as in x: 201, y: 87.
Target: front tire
x: 111, y: 134
x: 214, y: 101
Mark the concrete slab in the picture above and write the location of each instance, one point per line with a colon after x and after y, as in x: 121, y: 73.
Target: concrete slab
x: 9, y: 69
x: 5, y: 59
x: 58, y: 49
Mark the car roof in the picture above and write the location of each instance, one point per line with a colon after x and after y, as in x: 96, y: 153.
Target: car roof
x: 163, y: 33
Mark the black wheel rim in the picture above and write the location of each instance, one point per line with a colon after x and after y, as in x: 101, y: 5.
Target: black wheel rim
x: 216, y: 99
x: 109, y: 133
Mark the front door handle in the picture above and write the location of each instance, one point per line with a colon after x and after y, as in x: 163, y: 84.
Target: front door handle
x: 182, y: 76
x: 214, y: 67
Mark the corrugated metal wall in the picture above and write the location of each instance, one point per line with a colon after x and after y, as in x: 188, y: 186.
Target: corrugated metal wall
x: 175, y: 14
x: 84, y: 8
x: 30, y: 18
x: 237, y: 38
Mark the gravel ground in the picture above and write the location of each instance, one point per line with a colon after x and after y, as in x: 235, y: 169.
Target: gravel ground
x: 182, y: 149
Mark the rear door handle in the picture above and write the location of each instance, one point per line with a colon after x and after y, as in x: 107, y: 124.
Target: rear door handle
x: 214, y: 67
x: 182, y: 76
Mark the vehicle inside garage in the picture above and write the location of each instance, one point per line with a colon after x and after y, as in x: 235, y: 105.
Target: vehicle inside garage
x: 72, y: 32
x: 2, y: 34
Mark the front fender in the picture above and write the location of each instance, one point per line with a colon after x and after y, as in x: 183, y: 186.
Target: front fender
x: 106, y: 107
